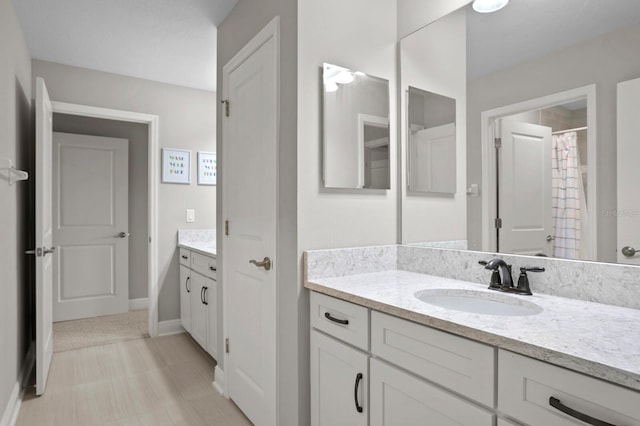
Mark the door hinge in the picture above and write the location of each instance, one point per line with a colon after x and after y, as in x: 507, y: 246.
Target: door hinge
x: 498, y: 223
x: 498, y: 142
x: 226, y: 107
x: 226, y: 345
x: 226, y: 227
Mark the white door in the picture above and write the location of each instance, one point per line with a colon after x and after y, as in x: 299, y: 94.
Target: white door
x: 44, y: 236
x: 91, y: 222
x: 628, y: 212
x: 249, y: 197
x: 339, y: 383
x: 398, y: 398
x: 432, y: 159
x: 524, y: 189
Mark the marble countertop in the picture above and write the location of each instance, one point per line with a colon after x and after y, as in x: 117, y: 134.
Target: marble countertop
x: 596, y: 339
x: 208, y: 248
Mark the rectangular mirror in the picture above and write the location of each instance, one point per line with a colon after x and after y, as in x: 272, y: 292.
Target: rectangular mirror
x: 431, y: 161
x: 355, y: 129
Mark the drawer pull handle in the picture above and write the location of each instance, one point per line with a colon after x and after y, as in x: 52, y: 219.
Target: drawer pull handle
x: 555, y: 403
x: 185, y: 257
x: 355, y: 392
x: 328, y: 316
x: 186, y: 284
x: 212, y: 268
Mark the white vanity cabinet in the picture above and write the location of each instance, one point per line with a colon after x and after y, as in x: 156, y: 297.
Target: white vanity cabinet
x: 412, y: 374
x: 198, y: 298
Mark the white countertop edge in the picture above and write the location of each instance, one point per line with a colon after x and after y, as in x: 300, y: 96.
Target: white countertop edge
x: 199, y: 247
x: 610, y: 373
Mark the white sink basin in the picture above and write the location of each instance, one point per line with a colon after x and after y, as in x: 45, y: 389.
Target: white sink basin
x: 479, y: 302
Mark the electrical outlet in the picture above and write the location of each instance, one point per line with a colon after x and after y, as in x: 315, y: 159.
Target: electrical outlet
x: 191, y: 215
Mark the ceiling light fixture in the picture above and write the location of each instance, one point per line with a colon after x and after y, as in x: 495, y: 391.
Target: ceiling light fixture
x: 488, y: 6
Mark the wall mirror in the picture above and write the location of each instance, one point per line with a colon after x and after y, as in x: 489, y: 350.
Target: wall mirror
x: 431, y: 150
x: 355, y: 129
x: 540, y: 89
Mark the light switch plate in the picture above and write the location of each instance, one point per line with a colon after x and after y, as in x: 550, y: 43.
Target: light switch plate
x: 191, y: 215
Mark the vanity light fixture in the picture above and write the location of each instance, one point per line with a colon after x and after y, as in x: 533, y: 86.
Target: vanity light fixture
x: 345, y: 77
x: 488, y: 6
x: 334, y: 75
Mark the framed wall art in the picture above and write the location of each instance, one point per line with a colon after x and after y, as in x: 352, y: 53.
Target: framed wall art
x: 207, y: 170
x: 176, y: 166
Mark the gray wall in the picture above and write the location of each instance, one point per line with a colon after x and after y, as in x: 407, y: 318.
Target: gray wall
x: 246, y: 19
x: 16, y: 288
x: 137, y: 134
x: 604, y: 61
x: 187, y: 121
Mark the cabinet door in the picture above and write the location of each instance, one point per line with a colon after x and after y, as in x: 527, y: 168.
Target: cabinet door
x: 398, y: 398
x: 211, y: 296
x: 339, y: 380
x: 199, y: 309
x: 185, y: 298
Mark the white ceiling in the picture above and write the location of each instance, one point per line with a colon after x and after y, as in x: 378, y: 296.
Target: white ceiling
x: 525, y: 29
x: 171, y: 41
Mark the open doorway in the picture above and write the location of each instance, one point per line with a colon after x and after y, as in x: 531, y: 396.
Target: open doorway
x: 540, y: 158
x: 100, y: 215
x: 141, y: 299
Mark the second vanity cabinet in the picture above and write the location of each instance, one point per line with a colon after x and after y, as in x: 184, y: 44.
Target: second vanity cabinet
x: 198, y: 296
x: 370, y: 368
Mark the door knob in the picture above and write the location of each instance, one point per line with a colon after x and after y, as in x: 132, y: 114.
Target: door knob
x: 265, y: 263
x: 629, y: 251
x: 40, y: 251
x: 122, y: 235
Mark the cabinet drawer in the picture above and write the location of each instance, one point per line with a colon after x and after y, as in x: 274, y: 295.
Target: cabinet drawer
x: 185, y: 257
x: 398, y: 398
x: 341, y: 319
x: 525, y: 387
x: 205, y: 265
x: 462, y: 365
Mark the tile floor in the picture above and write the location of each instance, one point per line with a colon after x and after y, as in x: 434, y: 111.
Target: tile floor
x: 159, y: 381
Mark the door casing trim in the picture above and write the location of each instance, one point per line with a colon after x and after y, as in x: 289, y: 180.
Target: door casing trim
x: 489, y: 117
x: 153, y: 123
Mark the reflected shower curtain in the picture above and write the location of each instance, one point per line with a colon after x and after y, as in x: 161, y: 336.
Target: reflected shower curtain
x: 568, y: 202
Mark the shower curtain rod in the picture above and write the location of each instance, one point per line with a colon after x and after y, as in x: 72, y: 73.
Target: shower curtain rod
x: 569, y: 130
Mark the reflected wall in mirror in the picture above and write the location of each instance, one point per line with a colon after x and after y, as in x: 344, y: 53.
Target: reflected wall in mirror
x: 431, y: 162
x: 355, y: 129
x: 541, y: 78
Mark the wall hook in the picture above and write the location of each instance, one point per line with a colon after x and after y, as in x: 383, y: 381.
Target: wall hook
x: 12, y: 174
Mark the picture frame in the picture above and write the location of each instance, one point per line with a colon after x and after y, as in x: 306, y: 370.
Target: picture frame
x: 207, y: 168
x: 176, y: 166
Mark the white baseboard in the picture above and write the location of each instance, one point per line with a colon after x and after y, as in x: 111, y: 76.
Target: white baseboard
x: 167, y: 328
x: 12, y: 409
x: 13, y: 406
x: 218, y: 380
x: 137, y: 304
